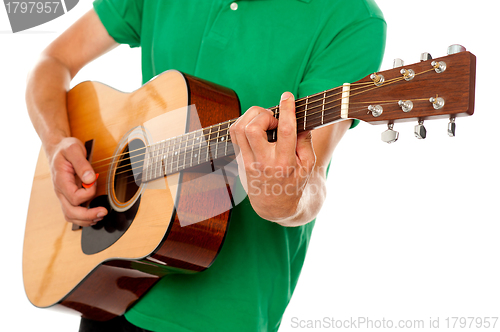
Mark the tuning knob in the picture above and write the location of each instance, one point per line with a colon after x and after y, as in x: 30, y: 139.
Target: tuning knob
x: 451, y: 127
x: 420, y: 131
x: 425, y: 56
x: 455, y: 48
x: 390, y: 136
x: 398, y: 63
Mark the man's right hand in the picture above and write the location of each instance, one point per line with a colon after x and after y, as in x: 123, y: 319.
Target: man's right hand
x: 69, y: 168
x: 48, y: 83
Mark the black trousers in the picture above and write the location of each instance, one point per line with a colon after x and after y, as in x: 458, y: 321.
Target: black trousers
x: 118, y: 324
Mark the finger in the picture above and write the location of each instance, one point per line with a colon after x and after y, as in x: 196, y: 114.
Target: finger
x: 256, y: 133
x: 287, y: 129
x: 76, y: 155
x: 80, y: 215
x: 238, y: 131
x: 305, y: 150
x: 64, y: 182
x: 234, y: 139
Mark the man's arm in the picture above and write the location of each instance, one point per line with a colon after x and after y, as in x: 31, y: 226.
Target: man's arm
x: 286, y: 180
x: 46, y: 90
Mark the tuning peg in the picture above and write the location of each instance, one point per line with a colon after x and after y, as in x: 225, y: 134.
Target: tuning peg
x: 390, y: 136
x: 451, y: 127
x: 425, y: 56
x: 398, y: 63
x: 420, y: 131
x: 456, y: 48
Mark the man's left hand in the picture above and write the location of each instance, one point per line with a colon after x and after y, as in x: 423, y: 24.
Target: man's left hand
x: 273, y: 174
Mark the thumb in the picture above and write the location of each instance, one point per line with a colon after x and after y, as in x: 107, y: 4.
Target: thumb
x: 76, y: 155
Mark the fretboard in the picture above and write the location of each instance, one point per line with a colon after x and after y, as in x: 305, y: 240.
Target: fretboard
x: 201, y: 146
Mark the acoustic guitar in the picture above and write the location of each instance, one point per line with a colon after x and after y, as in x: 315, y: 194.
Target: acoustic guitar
x: 167, y: 175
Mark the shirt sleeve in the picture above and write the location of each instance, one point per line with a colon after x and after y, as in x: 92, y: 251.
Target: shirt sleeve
x: 122, y: 19
x: 353, y: 53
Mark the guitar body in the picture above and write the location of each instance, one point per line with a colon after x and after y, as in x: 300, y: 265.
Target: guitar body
x: 102, y: 270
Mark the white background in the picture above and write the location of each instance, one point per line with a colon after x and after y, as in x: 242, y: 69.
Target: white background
x: 410, y: 231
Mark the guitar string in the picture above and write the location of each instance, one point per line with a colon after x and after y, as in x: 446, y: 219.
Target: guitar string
x: 161, y: 165
x: 352, y: 110
x: 307, y: 99
x: 163, y: 169
x: 370, y: 83
x: 215, y: 132
x: 208, y: 141
x: 308, y: 102
x: 225, y: 130
x: 198, y: 149
x: 196, y: 152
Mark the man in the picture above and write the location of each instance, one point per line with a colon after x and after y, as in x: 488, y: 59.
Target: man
x: 262, y: 50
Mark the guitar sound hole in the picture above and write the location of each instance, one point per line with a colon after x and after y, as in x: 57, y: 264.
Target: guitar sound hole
x: 128, y: 173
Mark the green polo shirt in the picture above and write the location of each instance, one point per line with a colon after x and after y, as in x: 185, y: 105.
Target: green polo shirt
x: 259, y: 48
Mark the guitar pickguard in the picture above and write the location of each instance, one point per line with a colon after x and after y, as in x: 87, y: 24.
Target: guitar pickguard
x: 106, y: 232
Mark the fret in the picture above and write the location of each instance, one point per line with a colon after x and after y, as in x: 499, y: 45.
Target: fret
x: 203, y: 146
x: 171, y: 155
x: 156, y: 155
x: 196, y: 144
x: 275, y: 114
x: 166, y: 156
x: 220, y: 142
x: 208, y: 143
x: 193, y: 141
x: 226, y: 134
x: 150, y: 160
x: 152, y: 174
x: 159, y: 165
x: 185, y: 141
x: 214, y: 142
x: 305, y: 112
x: 145, y: 166
x: 163, y: 157
x: 153, y: 163
x: 179, y: 153
x: 184, y: 145
x: 323, y: 109
x: 225, y: 144
x: 199, y: 142
x: 150, y: 163
x: 177, y: 146
x: 164, y: 161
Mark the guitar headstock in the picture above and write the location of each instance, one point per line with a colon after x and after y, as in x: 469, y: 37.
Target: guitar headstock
x: 431, y: 89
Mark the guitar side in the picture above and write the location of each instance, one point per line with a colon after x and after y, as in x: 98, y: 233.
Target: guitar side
x: 104, y: 284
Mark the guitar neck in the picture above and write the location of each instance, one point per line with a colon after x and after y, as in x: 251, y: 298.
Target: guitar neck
x: 201, y: 146
x: 315, y: 111
x: 443, y: 87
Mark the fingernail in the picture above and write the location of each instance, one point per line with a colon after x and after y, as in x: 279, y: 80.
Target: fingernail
x: 285, y: 96
x: 100, y: 215
x: 95, y: 221
x: 87, y: 177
